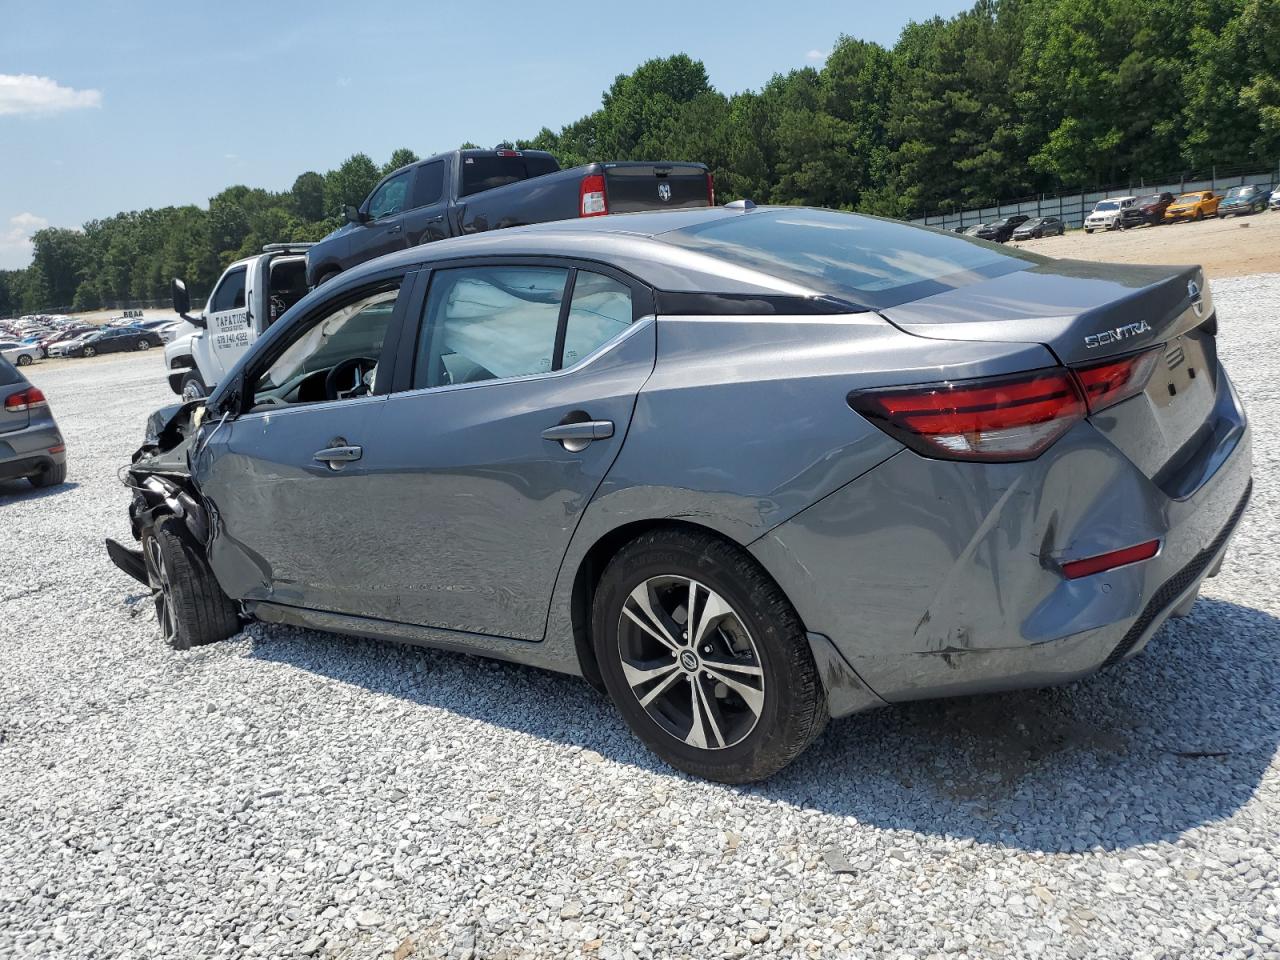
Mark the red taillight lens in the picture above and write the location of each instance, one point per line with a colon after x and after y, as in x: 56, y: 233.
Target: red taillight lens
x: 28, y: 399
x: 993, y: 419
x: 711, y: 189
x: 1107, y: 383
x: 591, y: 200
x: 1109, y: 561
x: 508, y: 153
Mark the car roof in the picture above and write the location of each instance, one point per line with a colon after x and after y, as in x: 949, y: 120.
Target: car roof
x: 629, y: 241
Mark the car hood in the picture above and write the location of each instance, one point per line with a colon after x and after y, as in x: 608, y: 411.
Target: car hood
x: 1080, y: 310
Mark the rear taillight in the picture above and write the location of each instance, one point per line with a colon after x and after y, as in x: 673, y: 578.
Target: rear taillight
x: 28, y: 399
x: 993, y: 419
x: 1107, y: 383
x: 508, y: 153
x: 591, y: 201
x: 711, y: 189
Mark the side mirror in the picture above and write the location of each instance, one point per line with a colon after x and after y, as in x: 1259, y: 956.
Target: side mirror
x: 182, y: 303
x: 354, y: 215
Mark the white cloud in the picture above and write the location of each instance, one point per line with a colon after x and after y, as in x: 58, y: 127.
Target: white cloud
x: 15, y: 240
x: 24, y: 93
x: 817, y: 54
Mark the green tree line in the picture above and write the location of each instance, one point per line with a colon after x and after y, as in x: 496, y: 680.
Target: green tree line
x: 1009, y: 98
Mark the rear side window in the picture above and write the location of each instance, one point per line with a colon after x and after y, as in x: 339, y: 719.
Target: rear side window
x: 429, y: 185
x: 871, y: 262
x: 8, y: 373
x: 230, y: 292
x: 599, y: 310
x: 484, y: 172
x: 485, y: 323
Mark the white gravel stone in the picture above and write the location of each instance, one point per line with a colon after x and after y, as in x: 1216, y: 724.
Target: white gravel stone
x: 288, y: 793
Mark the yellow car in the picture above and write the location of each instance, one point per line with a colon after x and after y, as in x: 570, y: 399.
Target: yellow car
x: 1193, y: 206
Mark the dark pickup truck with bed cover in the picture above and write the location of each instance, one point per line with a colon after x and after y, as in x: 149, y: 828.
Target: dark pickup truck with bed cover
x: 469, y: 191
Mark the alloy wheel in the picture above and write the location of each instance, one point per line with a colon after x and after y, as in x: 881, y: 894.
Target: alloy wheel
x: 690, y: 662
x: 158, y: 580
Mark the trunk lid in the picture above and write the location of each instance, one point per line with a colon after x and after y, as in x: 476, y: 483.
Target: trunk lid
x: 1087, y: 312
x: 632, y: 187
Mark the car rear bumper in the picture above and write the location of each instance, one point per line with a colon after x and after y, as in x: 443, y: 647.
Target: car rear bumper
x: 27, y: 452
x: 936, y: 578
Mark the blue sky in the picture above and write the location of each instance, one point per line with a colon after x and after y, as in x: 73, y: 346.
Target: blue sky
x: 119, y: 106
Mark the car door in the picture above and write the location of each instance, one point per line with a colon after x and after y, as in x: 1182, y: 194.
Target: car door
x: 521, y: 387
x: 425, y: 221
x: 383, y: 232
x: 285, y: 476
x: 227, y: 319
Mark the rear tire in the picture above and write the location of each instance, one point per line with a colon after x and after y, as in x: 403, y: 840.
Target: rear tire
x: 90, y: 352
x: 24, y: 359
x: 191, y: 608
x: 737, y: 701
x: 144, y: 344
x: 326, y: 277
x: 50, y: 478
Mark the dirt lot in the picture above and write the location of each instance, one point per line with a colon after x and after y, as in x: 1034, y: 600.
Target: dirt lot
x: 1225, y: 248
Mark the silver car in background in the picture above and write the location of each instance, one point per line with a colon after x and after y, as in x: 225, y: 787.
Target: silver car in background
x: 31, y: 446
x: 745, y: 469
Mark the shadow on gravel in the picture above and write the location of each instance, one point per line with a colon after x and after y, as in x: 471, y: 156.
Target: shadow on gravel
x: 1174, y: 739
x: 13, y: 490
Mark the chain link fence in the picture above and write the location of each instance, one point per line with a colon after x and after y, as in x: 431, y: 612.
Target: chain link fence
x: 1072, y: 208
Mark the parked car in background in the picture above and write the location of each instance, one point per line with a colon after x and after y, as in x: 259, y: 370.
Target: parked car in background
x: 63, y: 335
x: 1039, y: 227
x: 173, y: 329
x: 1250, y: 198
x: 31, y: 445
x: 470, y: 191
x: 1001, y: 230
x: 1106, y: 213
x: 1193, y: 206
x: 64, y: 348
x: 18, y: 353
x: 541, y: 405
x: 974, y: 230
x: 1146, y: 211
x: 113, y: 340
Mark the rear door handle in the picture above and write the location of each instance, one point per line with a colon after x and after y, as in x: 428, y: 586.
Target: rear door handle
x: 586, y: 430
x: 336, y: 456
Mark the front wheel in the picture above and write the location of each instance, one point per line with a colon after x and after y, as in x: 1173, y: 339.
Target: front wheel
x: 1088, y: 230
x: 50, y: 478
x: 144, y: 344
x: 90, y: 352
x: 705, y: 658
x: 193, y: 387
x: 190, y: 606
x: 1199, y: 216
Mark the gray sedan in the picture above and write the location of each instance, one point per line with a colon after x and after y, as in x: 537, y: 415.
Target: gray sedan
x: 31, y: 446
x: 744, y: 469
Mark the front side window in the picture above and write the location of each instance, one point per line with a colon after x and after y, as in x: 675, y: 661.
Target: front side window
x: 230, y: 292
x: 485, y: 323
x: 389, y: 198
x: 599, y: 310
x: 333, y: 358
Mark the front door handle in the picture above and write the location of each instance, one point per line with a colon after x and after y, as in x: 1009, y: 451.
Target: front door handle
x: 396, y: 229
x: 338, y: 456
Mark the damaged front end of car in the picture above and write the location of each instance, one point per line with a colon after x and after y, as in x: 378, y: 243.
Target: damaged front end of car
x: 159, y: 475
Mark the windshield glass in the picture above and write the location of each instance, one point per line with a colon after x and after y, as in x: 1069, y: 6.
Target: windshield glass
x: 1189, y: 198
x: 1148, y: 201
x: 1108, y: 205
x: 871, y: 262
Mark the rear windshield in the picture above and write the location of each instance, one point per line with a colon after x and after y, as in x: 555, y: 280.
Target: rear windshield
x: 871, y: 262
x: 486, y: 171
x: 8, y: 373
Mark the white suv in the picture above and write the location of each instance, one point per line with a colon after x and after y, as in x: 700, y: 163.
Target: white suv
x: 1106, y: 214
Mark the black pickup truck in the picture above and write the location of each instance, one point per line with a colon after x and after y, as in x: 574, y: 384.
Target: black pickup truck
x: 468, y: 191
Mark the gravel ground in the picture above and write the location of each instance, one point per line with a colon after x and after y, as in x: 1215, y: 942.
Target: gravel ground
x: 290, y: 793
